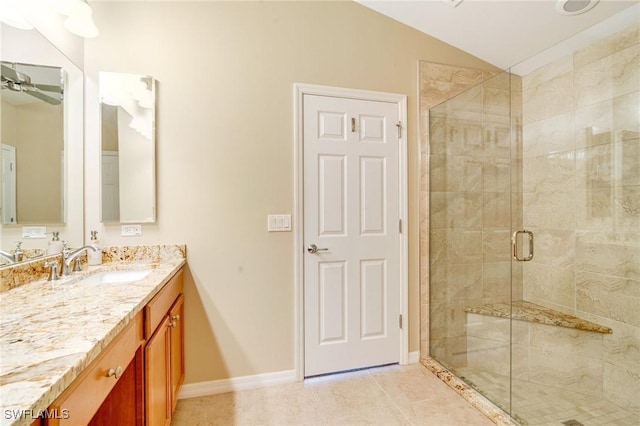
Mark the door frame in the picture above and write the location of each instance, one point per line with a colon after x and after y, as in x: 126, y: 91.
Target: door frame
x: 300, y: 90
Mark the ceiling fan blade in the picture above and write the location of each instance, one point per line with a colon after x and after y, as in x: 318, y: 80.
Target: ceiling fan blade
x: 43, y: 97
x: 10, y: 73
x: 48, y: 87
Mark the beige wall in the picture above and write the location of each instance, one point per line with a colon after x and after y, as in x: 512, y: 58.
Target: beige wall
x: 225, y: 76
x: 36, y: 131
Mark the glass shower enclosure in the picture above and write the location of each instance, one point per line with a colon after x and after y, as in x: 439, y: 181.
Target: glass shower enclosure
x: 533, y: 234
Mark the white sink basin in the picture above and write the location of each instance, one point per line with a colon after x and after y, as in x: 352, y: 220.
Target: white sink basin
x: 115, y: 276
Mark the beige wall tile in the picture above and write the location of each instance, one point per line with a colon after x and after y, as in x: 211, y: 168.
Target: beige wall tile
x: 595, y: 209
x: 455, y: 173
x: 626, y: 71
x: 611, y: 297
x: 547, y: 73
x: 496, y: 210
x: 615, y: 43
x: 626, y: 210
x: 622, y: 386
x: 496, y: 175
x: 456, y: 210
x: 549, y: 98
x: 548, y: 136
x: 611, y: 254
x: 496, y: 280
x: 554, y: 247
x: 553, y: 210
x: 456, y: 282
x: 496, y: 245
x: 554, y: 369
x: 549, y: 286
x: 553, y: 172
x: 455, y: 246
x: 566, y: 342
x: 496, y: 136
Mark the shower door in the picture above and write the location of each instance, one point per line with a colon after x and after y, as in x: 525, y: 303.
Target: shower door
x: 551, y: 332
x: 474, y: 208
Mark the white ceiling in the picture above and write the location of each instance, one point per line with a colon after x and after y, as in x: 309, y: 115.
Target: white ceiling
x: 508, y: 32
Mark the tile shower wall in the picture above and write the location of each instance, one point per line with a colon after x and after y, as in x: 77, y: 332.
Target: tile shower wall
x: 465, y: 244
x: 581, y: 198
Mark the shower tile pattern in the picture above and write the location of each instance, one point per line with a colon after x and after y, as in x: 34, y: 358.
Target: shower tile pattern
x: 467, y: 176
x: 455, y: 193
x: 560, y: 147
x: 581, y: 188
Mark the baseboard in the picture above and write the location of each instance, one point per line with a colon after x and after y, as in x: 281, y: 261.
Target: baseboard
x: 213, y: 387
x: 414, y: 357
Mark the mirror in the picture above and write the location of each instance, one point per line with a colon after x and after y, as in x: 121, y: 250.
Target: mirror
x: 32, y: 144
x: 46, y: 138
x: 128, y: 183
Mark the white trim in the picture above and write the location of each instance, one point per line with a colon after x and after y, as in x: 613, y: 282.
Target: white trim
x: 213, y: 387
x: 300, y: 90
x: 414, y: 357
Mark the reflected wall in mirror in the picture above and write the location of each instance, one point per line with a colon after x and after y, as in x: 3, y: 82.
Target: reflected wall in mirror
x: 128, y: 178
x: 32, y: 144
x: 42, y: 198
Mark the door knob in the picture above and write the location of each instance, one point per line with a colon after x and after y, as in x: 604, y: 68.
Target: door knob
x: 314, y: 249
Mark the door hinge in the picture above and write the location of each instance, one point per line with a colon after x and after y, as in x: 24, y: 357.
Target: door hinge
x: 10, y: 167
x: 399, y: 125
x: 400, y: 226
x: 400, y: 321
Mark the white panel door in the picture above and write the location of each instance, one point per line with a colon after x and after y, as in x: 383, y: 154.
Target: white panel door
x: 8, y: 205
x: 351, y: 214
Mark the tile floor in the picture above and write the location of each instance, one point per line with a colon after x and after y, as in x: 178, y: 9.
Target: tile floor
x: 539, y: 405
x: 393, y: 395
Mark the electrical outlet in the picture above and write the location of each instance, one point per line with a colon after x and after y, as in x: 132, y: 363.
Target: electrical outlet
x: 131, y: 230
x: 32, y: 232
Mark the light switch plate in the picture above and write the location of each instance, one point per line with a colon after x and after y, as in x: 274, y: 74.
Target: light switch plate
x: 32, y: 232
x: 279, y: 223
x: 131, y: 230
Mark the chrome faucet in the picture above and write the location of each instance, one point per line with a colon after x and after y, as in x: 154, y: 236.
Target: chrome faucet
x: 69, y: 256
x: 9, y: 256
x: 16, y: 256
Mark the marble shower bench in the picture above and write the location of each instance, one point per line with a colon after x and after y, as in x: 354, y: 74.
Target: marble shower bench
x: 530, y: 312
x: 541, y: 346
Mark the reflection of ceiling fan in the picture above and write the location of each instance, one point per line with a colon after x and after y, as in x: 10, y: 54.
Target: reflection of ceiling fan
x: 20, y: 82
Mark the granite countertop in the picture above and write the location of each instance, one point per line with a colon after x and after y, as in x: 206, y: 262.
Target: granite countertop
x: 50, y: 331
x: 530, y: 312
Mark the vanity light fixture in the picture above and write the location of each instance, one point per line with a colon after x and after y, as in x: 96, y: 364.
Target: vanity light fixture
x: 79, y: 20
x: 575, y: 7
x: 78, y: 12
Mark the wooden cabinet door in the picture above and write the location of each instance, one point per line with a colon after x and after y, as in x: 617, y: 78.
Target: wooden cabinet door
x: 157, y: 357
x: 176, y: 316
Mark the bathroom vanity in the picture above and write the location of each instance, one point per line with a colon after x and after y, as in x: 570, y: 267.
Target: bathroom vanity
x: 78, y: 351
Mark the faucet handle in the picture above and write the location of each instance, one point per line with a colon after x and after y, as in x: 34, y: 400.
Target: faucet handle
x: 53, y: 272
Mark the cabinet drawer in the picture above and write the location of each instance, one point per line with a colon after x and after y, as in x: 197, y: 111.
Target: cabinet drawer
x: 157, y: 308
x: 84, y: 396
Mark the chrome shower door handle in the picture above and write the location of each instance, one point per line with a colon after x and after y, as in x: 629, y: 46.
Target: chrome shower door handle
x: 313, y: 249
x: 514, y: 245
